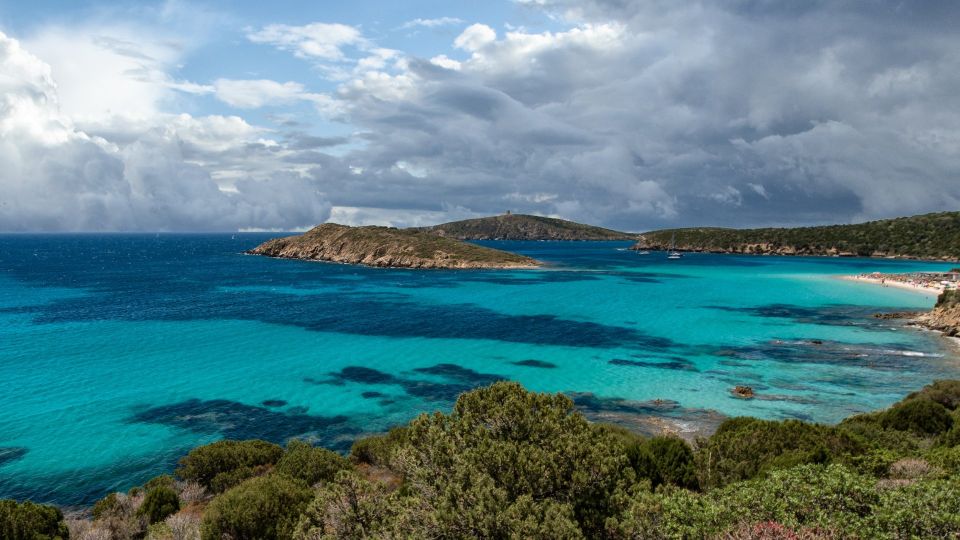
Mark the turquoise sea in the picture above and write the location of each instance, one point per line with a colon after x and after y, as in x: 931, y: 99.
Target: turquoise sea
x: 118, y: 353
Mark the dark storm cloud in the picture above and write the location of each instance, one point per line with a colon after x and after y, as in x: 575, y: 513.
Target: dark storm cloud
x: 647, y: 114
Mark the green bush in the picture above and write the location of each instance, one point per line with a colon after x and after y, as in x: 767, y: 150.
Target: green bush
x: 30, y: 521
x: 262, y: 508
x: 352, y: 507
x: 378, y: 449
x: 309, y: 463
x: 920, y: 416
x: 946, y: 393
x: 925, y: 509
x: 159, y: 502
x: 501, y: 444
x: 204, y: 463
x: 664, y: 460
x: 743, y: 448
x: 108, y: 506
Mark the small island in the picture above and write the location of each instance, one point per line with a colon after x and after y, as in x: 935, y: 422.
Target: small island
x: 388, y: 247
x: 525, y: 227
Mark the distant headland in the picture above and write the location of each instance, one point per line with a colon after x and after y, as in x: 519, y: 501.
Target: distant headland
x: 928, y: 236
x: 524, y: 227
x: 388, y: 247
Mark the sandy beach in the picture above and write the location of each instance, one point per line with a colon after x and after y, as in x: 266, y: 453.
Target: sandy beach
x: 897, y: 282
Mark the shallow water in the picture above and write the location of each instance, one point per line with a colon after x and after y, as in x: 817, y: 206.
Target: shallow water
x: 118, y: 353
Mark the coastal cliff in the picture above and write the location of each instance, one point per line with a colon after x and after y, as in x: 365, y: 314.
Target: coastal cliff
x: 930, y: 236
x: 524, y: 227
x: 945, y: 316
x: 387, y: 247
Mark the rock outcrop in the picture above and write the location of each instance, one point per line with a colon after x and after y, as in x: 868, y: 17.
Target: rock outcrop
x: 742, y: 392
x: 524, y: 227
x: 388, y: 247
x: 945, y: 316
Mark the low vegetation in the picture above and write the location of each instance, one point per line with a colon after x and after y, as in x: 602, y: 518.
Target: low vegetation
x: 508, y: 463
x: 388, y: 247
x: 929, y: 236
x: 524, y: 227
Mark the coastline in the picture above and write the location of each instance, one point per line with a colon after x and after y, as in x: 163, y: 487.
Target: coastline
x: 888, y: 281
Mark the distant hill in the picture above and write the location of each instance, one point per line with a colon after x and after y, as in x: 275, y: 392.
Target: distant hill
x: 388, y: 247
x: 929, y: 236
x: 524, y: 227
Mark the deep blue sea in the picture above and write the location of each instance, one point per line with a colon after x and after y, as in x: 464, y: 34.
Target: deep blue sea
x: 118, y: 353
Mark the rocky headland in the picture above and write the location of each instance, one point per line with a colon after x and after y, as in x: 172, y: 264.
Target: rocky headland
x: 524, y: 227
x: 389, y: 248
x: 945, y: 315
x: 929, y: 236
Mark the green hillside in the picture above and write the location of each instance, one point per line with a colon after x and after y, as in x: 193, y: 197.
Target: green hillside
x: 929, y: 236
x: 525, y: 227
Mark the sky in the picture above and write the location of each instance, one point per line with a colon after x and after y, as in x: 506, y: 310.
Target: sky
x: 631, y: 114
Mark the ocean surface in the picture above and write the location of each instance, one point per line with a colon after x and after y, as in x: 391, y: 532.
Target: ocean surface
x: 119, y: 353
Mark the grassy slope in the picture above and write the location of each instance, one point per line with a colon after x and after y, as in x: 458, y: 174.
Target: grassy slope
x: 525, y: 227
x: 924, y: 236
x: 388, y: 240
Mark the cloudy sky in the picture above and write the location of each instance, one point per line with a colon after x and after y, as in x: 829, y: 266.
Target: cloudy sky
x: 197, y: 116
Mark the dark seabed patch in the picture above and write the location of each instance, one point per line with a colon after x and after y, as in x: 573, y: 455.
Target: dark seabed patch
x: 543, y: 364
x: 882, y: 358
x: 457, y: 380
x: 834, y: 315
x: 11, y: 453
x: 674, y: 364
x: 273, y: 403
x: 234, y: 420
x: 372, y: 395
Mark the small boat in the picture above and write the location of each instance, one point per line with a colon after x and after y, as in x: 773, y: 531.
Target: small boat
x: 674, y: 254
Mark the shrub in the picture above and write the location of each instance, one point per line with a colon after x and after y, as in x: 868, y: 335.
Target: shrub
x: 30, y: 521
x: 159, y: 502
x: 500, y: 444
x: 265, y: 508
x: 309, y: 463
x: 920, y: 416
x: 664, y: 460
x: 944, y: 392
x: 204, y: 463
x: 923, y: 509
x: 352, y: 507
x: 379, y: 449
x: 164, y: 480
x: 742, y: 448
x: 107, y: 507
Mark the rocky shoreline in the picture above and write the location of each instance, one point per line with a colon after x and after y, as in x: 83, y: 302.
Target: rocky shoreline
x: 387, y: 247
x: 775, y: 249
x: 945, y: 315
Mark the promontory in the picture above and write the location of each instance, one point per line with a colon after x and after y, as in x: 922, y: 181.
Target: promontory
x: 388, y: 247
x: 524, y: 227
x: 929, y: 236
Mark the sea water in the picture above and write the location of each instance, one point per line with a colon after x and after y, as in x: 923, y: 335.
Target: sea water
x: 119, y: 353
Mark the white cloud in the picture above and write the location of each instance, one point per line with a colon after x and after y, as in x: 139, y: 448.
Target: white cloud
x: 250, y: 94
x: 155, y: 175
x: 475, y: 37
x: 432, y: 23
x: 315, y: 40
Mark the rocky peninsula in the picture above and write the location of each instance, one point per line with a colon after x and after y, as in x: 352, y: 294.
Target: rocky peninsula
x: 524, y: 227
x: 929, y: 236
x: 388, y: 247
x: 945, y: 315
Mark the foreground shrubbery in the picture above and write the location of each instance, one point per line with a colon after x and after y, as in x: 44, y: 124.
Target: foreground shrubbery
x: 507, y: 463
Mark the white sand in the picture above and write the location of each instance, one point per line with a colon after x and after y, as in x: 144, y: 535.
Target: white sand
x: 888, y: 282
